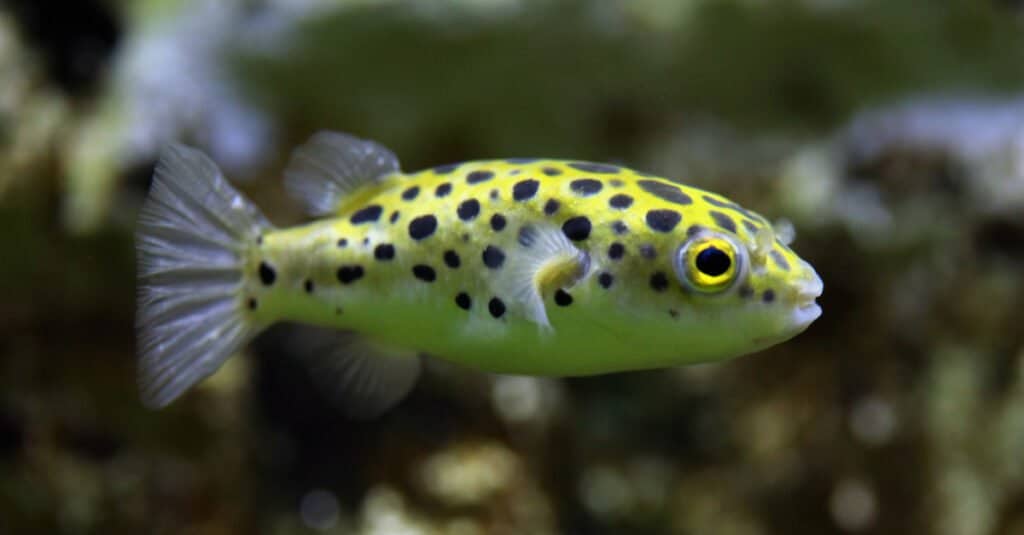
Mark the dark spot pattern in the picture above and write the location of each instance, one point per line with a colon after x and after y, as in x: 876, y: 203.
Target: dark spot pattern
x: 659, y: 282
x: 394, y: 217
x: 693, y: 230
x: 723, y: 221
x: 648, y: 251
x: 526, y: 236
x: 368, y: 214
x: 616, y: 250
x: 605, y: 280
x: 664, y: 191
x: 562, y: 298
x: 551, y: 206
x: 411, y: 193
x: 620, y: 201
x: 451, y: 259
x: 768, y: 296
x: 673, y: 312
x: 366, y: 240
x: 259, y: 240
x: 445, y: 169
x: 443, y: 190
x: 591, y: 167
x: 342, y: 242
x: 746, y: 292
x: 498, y: 222
x: 520, y: 160
x: 468, y: 209
x: 493, y: 257
x: 551, y: 171
x: 267, y: 274
x: 750, y: 226
x: 495, y: 195
x: 616, y: 183
x: 663, y: 220
x: 714, y: 201
x: 384, y: 251
x: 463, y: 301
x: 253, y: 303
x: 525, y: 189
x: 619, y: 227
x: 349, y: 274
x: 585, y: 187
x: 496, y: 307
x: 308, y: 286
x: 577, y: 228
x: 424, y: 273
x: 477, y: 177
x: 779, y: 260
x: 422, y: 227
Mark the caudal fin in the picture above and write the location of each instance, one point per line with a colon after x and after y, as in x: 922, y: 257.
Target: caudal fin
x: 193, y: 232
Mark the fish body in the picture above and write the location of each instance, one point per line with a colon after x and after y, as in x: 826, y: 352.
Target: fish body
x: 528, y: 266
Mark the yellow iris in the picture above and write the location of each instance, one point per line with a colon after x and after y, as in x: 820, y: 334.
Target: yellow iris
x: 711, y: 264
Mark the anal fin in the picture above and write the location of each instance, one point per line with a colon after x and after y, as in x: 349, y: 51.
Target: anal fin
x: 359, y: 376
x: 544, y: 261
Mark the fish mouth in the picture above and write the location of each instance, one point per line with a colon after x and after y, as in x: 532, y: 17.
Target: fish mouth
x: 806, y: 308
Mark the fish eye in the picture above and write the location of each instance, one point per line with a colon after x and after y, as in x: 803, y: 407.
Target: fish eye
x: 708, y: 264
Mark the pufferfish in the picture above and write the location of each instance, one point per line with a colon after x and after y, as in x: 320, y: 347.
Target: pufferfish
x: 515, y: 266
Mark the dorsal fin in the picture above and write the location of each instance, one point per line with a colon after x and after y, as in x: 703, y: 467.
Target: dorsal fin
x: 545, y: 261
x: 331, y: 165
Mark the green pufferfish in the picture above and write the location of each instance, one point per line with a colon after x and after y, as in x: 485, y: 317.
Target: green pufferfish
x: 519, y: 266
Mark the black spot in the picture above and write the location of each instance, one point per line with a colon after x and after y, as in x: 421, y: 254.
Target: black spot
x: 562, y: 298
x: 551, y: 171
x: 768, y: 296
x: 445, y: 169
x: 659, y: 282
x: 308, y: 286
x: 663, y: 220
x: 343, y: 243
x: 463, y: 301
x: 723, y: 221
x: 620, y: 201
x: 514, y: 172
x: 616, y: 183
x: 259, y: 240
x: 779, y: 260
x: 746, y: 292
x: 591, y: 167
x: 422, y: 227
x: 577, y: 228
x: 350, y: 274
x: 718, y: 202
x: 267, y: 274
x: 468, y: 209
x: 619, y: 227
x: 648, y: 251
x: 673, y: 312
x: 394, y: 217
x: 750, y: 226
x: 616, y: 250
x: 551, y: 206
x: 664, y: 191
x: 520, y: 160
x: 713, y: 261
x: 451, y: 259
x: 253, y: 303
x: 443, y: 190
x: 366, y: 240
x: 465, y: 237
x: 494, y: 194
x: 424, y: 273
x: 477, y: 177
x: 525, y: 189
x: 367, y: 215
x: 498, y: 222
x: 411, y: 193
x: 605, y: 280
x: 693, y: 230
x: 585, y: 187
x: 496, y: 307
x: 493, y: 257
x: 384, y: 251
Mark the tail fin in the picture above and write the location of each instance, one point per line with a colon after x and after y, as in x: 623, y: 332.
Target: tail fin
x: 192, y: 235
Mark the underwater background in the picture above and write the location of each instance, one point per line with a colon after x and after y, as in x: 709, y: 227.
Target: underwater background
x: 890, y: 134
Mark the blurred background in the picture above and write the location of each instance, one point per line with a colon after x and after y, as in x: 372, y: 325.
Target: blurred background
x: 889, y: 133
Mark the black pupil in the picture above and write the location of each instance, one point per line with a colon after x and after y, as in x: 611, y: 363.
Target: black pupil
x: 713, y: 261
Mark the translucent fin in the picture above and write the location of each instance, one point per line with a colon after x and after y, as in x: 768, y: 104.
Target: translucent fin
x: 192, y: 233
x: 331, y: 165
x: 544, y: 261
x: 360, y: 377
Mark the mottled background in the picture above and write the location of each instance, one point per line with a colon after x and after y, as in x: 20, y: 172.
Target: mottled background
x: 889, y: 133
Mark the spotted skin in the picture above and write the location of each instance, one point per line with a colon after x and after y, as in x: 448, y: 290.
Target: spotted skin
x: 429, y: 279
